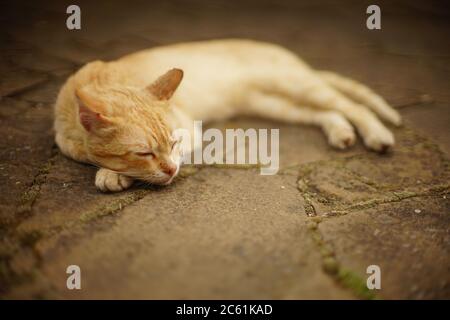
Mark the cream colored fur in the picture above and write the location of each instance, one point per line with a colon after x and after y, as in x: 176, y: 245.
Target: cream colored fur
x: 128, y: 114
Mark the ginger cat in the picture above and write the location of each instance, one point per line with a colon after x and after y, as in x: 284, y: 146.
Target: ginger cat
x: 121, y: 115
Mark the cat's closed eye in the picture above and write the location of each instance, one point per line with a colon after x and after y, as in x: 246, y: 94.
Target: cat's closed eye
x: 146, y: 154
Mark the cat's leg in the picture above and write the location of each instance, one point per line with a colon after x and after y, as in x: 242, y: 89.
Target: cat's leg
x: 362, y: 94
x: 305, y: 88
x: 338, y: 130
x: 107, y: 180
x: 375, y: 135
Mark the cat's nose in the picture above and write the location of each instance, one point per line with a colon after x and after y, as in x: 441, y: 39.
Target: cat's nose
x: 169, y: 169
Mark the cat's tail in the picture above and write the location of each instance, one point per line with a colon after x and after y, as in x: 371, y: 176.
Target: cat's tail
x: 362, y: 94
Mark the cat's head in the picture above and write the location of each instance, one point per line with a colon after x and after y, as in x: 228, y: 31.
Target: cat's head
x: 129, y: 131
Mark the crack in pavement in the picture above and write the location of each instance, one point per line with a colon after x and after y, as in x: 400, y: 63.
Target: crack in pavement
x: 331, y: 266
x: 338, y: 206
x: 31, y: 194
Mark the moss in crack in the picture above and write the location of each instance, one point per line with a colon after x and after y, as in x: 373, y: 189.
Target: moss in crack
x: 334, y: 269
x: 30, y: 195
x: 440, y: 189
x: 310, y: 210
x: 302, y: 186
x: 365, y: 204
x: 355, y: 283
x: 398, y: 196
x: 28, y: 198
x: 235, y: 166
x: 113, y: 206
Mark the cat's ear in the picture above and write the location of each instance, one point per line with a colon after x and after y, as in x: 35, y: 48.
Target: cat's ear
x: 164, y: 87
x: 90, y: 113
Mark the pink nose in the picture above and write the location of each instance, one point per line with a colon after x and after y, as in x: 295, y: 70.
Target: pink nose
x: 169, y: 169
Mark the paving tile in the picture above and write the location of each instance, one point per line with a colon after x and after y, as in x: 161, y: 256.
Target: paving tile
x: 408, y: 240
x: 260, y: 239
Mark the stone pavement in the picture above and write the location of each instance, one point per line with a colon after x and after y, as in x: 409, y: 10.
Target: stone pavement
x: 309, y: 232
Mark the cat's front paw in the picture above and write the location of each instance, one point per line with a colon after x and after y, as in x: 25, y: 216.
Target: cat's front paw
x: 109, y: 181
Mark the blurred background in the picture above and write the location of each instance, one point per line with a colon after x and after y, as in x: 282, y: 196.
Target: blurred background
x: 408, y: 57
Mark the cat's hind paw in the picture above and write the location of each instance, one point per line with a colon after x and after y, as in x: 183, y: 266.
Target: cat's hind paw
x: 380, y: 141
x: 109, y: 181
x: 342, y: 137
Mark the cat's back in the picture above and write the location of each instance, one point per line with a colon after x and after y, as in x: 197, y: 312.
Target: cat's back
x: 226, y: 48
x: 223, y: 54
x: 216, y: 72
